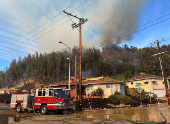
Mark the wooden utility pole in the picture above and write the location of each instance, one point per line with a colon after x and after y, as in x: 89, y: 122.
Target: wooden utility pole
x: 74, y: 25
x: 80, y: 71
x: 161, y: 63
x: 162, y: 66
x: 76, y: 82
x: 76, y: 75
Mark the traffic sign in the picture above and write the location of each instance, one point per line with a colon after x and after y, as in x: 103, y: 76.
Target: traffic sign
x: 139, y: 89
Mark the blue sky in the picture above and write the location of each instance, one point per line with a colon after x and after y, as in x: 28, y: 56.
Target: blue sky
x: 153, y: 10
x: 19, y: 17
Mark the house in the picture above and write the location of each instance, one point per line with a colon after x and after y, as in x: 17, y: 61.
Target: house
x: 148, y: 82
x: 109, y: 86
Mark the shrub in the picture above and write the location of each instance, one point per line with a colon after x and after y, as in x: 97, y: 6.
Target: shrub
x: 127, y: 100
x: 99, y: 92
x: 114, y: 99
x: 6, y: 101
x: 118, y: 94
x: 93, y: 93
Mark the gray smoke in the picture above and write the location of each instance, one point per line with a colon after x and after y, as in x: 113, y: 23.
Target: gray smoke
x: 117, y: 17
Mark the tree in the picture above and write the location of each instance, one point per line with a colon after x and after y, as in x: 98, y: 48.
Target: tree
x: 2, y: 79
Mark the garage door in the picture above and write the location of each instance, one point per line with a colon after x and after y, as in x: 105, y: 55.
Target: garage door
x: 159, y: 92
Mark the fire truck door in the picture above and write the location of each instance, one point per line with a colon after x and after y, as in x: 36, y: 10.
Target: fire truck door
x: 44, y: 98
x: 40, y: 96
x: 50, y: 98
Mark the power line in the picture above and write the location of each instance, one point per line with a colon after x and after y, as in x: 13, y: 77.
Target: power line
x: 87, y: 7
x: 137, y: 26
x: 39, y: 36
x: 133, y: 28
x: 125, y: 35
x: 49, y: 27
x: 59, y: 20
x: 52, y: 25
x: 38, y: 26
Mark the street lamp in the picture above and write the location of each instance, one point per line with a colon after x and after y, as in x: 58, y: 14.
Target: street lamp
x: 69, y: 62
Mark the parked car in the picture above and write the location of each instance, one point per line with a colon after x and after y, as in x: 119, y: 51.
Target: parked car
x: 149, y: 94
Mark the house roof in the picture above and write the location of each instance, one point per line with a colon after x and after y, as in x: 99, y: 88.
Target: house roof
x: 101, y: 80
x: 88, y: 81
x: 144, y: 76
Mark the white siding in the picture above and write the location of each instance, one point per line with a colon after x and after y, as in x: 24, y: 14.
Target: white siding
x: 160, y: 92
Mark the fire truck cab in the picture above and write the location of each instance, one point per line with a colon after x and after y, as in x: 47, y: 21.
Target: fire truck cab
x: 43, y: 100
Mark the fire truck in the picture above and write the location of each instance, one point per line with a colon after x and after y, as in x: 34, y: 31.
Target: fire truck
x: 43, y: 100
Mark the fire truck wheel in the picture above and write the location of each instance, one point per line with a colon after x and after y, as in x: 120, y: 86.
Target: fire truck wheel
x: 44, y: 110
x: 19, y: 108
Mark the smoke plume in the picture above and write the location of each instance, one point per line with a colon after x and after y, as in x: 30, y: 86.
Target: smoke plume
x: 117, y: 17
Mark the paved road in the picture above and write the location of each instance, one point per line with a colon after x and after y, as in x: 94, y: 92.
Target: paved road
x: 65, y: 120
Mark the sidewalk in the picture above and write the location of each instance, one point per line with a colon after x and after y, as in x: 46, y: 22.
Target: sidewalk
x: 163, y: 98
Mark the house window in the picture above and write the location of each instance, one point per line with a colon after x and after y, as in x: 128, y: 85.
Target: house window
x: 108, y: 86
x: 131, y: 83
x: 145, y: 83
x: 153, y: 82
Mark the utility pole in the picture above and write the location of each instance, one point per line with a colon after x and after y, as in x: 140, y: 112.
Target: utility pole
x: 161, y: 63
x: 74, y: 25
x: 76, y: 81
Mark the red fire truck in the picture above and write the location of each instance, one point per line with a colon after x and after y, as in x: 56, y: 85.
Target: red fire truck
x: 43, y: 100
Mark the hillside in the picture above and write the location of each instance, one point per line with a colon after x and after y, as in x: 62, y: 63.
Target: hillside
x: 111, y: 61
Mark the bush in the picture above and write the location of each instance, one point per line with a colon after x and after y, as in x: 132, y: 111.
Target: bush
x: 114, y: 99
x: 117, y: 93
x: 97, y: 92
x: 93, y: 93
x: 7, y: 101
x: 127, y: 100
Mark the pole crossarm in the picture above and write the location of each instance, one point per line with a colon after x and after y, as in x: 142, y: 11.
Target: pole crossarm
x: 159, y: 53
x: 81, y: 20
x: 157, y: 41
x: 71, y: 14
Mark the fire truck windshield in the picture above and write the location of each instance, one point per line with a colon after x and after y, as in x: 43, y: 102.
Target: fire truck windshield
x: 58, y: 93
x: 66, y: 93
